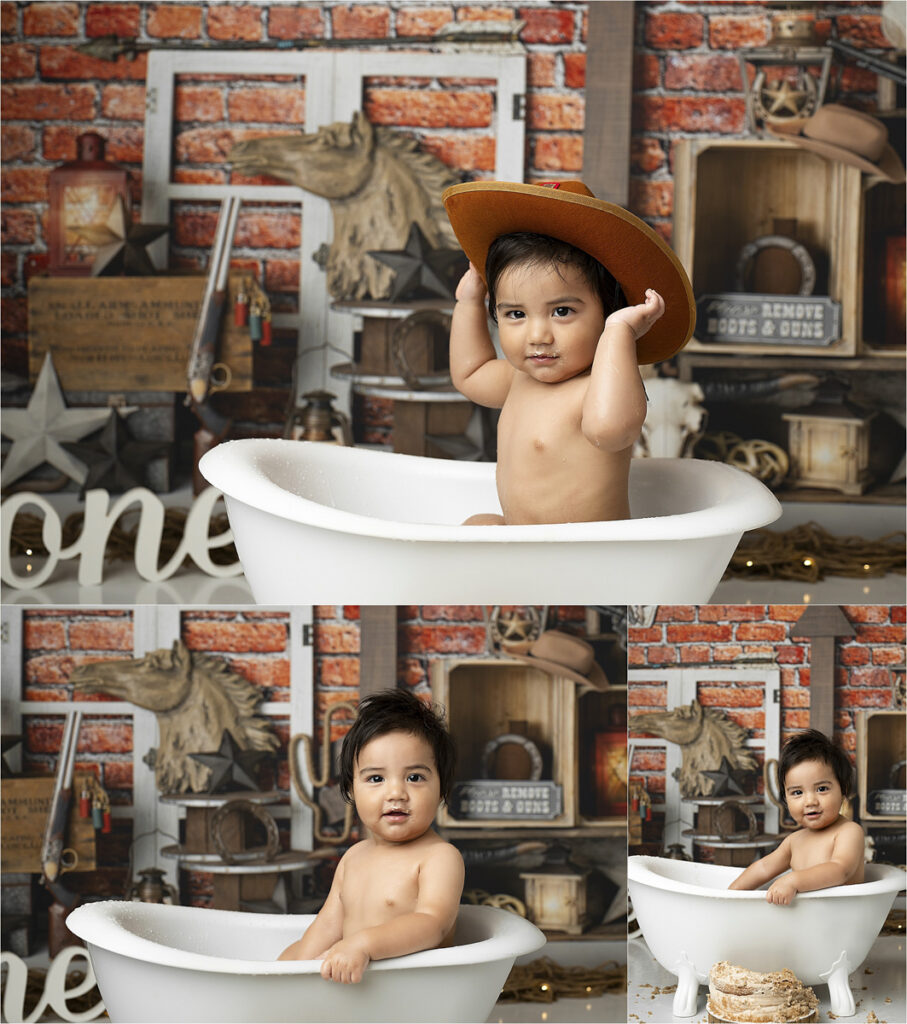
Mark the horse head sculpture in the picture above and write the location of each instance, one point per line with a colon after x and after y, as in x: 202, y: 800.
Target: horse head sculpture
x: 378, y: 183
x: 704, y: 736
x: 195, y: 698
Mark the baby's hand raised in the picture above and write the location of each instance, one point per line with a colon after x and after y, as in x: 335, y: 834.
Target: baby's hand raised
x: 639, y: 318
x: 344, y: 962
x: 471, y: 287
x: 781, y: 891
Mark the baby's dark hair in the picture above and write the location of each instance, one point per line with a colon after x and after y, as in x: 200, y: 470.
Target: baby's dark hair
x: 527, y: 248
x: 813, y: 745
x: 398, y: 711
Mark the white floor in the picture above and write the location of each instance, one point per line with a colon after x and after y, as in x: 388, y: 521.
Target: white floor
x: 878, y: 986
x: 598, y: 1010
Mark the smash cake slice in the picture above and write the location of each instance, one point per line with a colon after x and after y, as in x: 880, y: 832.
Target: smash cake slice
x: 746, y: 997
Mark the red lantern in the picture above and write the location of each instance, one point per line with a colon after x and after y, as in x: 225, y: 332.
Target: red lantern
x: 82, y: 194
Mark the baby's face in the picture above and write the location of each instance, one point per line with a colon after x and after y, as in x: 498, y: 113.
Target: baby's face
x: 813, y: 794
x: 549, y: 321
x: 396, y: 787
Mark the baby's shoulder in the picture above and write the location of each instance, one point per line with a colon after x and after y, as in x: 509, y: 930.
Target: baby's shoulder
x: 848, y: 829
x: 356, y: 853
x: 440, y: 852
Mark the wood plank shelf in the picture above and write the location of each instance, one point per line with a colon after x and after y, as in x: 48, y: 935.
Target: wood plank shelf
x: 614, y: 932
x: 615, y: 827
x: 882, y: 360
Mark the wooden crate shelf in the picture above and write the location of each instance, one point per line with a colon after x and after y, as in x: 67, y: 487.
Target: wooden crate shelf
x: 484, y: 697
x: 881, y: 743
x: 731, y: 191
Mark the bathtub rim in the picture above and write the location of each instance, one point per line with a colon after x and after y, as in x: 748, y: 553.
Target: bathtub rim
x: 94, y: 924
x: 638, y: 871
x: 752, y: 506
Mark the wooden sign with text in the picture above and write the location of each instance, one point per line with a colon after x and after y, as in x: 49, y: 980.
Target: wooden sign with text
x: 127, y: 333
x: 745, y: 318
x: 499, y: 798
x: 25, y: 806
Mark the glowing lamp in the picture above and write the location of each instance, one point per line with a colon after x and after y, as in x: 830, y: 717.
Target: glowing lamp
x: 829, y: 446
x: 556, y: 895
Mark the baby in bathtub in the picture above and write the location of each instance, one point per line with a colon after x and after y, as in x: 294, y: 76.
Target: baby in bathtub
x: 567, y: 279
x: 815, y: 777
x: 396, y: 891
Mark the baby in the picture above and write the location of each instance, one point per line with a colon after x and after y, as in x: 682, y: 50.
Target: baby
x: 815, y: 776
x: 398, y: 890
x: 557, y: 264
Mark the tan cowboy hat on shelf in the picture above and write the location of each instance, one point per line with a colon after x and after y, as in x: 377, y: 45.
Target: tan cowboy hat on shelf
x: 851, y: 136
x: 563, y: 655
x: 637, y: 257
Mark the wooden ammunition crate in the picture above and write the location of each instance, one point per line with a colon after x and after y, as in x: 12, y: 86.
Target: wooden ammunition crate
x: 127, y: 333
x: 483, y: 698
x: 728, y: 192
x: 25, y: 807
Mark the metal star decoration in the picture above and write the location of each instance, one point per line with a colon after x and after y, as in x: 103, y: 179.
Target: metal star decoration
x: 421, y: 271
x: 115, y: 460
x: 726, y: 779
x: 230, y: 765
x: 124, y: 251
x: 38, y: 430
x: 783, y: 99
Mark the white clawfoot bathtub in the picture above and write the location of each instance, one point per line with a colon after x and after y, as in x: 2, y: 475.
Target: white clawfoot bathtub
x: 690, y: 921
x: 162, y: 963
x: 320, y: 523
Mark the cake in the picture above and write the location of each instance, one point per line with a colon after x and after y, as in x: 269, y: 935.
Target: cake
x: 738, y: 995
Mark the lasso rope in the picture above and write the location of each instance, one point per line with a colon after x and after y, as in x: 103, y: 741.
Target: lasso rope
x: 26, y: 536
x: 810, y: 553
x: 544, y: 981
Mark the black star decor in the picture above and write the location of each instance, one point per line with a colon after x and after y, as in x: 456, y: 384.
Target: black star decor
x: 230, y: 765
x: 726, y: 779
x: 421, y: 271
x: 123, y: 251
x: 115, y: 460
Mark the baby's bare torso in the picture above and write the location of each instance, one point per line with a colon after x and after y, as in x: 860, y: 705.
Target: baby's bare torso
x: 381, y: 882
x: 548, y: 472
x: 807, y: 849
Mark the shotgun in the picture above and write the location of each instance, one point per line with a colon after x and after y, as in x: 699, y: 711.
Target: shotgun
x: 204, y: 343
x: 52, y: 852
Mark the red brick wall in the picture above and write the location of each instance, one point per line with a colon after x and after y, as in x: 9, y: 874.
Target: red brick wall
x: 54, y: 642
x: 51, y: 94
x: 866, y: 668
x: 687, y: 83
x: 255, y: 644
x: 425, y: 634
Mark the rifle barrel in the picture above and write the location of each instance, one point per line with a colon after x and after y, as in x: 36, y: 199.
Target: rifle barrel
x: 52, y: 847
x: 204, y: 342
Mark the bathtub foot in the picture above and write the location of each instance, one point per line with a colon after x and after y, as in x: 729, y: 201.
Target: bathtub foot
x: 686, y: 998
x: 840, y: 996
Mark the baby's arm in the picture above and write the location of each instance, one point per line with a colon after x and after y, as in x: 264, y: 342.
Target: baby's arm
x: 440, y: 887
x: 845, y: 860
x: 475, y: 369
x: 765, y: 868
x: 614, y: 408
x: 325, y: 930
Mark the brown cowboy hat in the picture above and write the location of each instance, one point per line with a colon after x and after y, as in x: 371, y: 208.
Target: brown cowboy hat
x: 564, y: 655
x: 635, y: 255
x: 848, y: 135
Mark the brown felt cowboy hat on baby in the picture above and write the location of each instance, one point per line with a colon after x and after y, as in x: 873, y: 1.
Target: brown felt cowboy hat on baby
x: 848, y: 135
x: 638, y: 258
x: 564, y: 655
